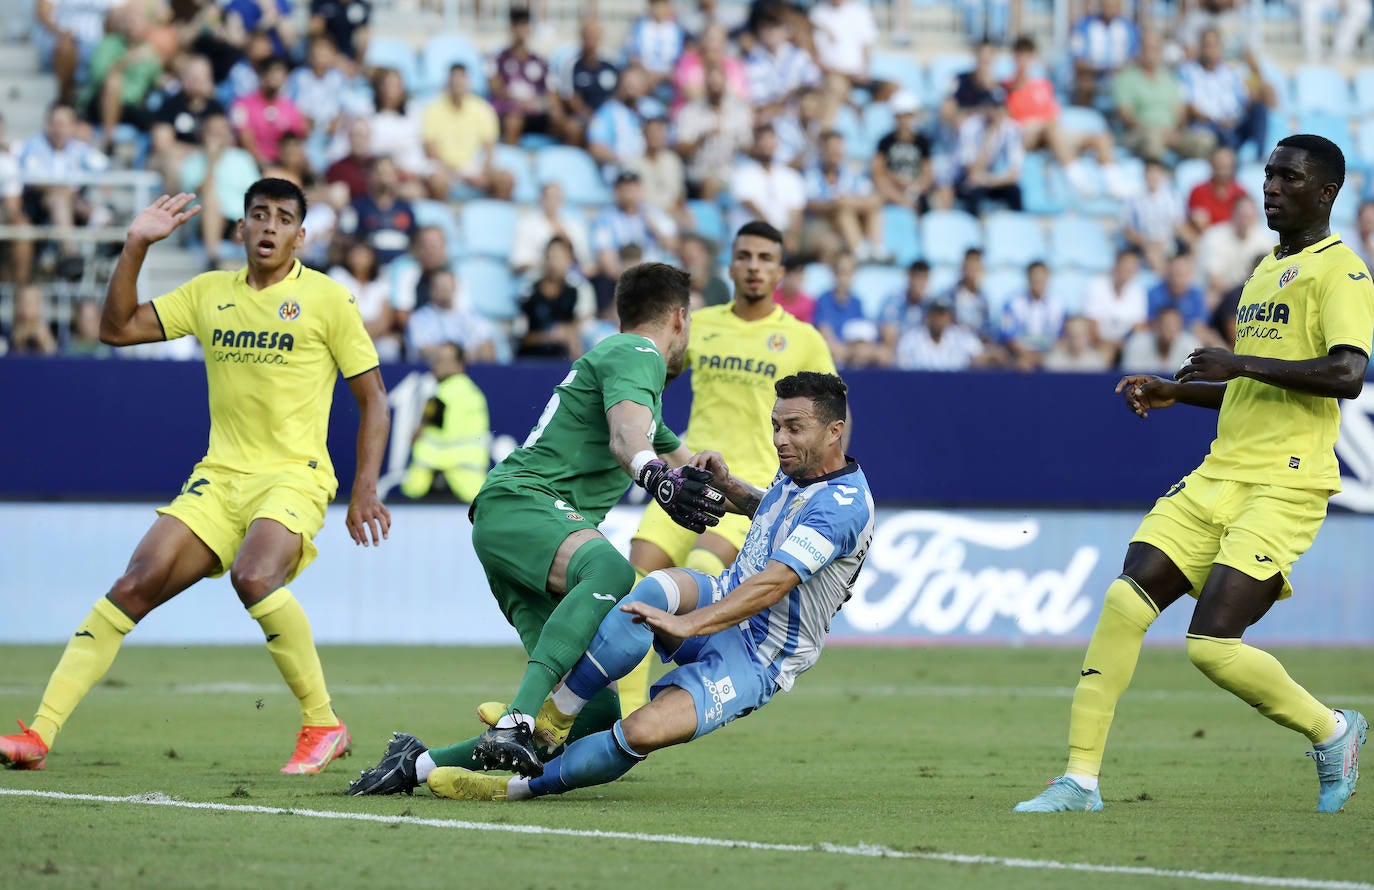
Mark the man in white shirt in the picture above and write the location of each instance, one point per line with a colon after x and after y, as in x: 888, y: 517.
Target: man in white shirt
x: 765, y: 189
x: 940, y: 344
x: 1228, y: 249
x: 844, y: 35
x: 445, y: 319
x: 1117, y: 302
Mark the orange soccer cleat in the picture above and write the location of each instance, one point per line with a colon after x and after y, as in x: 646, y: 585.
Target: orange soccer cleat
x: 23, y: 750
x: 316, y: 746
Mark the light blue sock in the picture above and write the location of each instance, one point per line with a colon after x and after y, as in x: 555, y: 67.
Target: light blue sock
x: 619, y: 645
x: 591, y: 760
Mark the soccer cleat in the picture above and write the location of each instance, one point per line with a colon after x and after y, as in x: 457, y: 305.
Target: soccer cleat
x: 23, y: 750
x: 509, y: 749
x: 1063, y: 796
x: 395, y: 772
x: 551, y: 726
x: 316, y: 746
x: 1338, y: 764
x: 457, y: 783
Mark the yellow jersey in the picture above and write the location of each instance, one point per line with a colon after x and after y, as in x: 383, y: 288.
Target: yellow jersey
x: 734, y: 366
x: 1296, y: 308
x: 271, y: 356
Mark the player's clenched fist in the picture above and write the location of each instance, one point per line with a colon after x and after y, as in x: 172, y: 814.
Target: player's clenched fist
x: 685, y: 493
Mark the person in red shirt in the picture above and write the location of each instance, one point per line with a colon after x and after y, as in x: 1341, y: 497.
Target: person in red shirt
x: 789, y: 294
x: 1211, y: 202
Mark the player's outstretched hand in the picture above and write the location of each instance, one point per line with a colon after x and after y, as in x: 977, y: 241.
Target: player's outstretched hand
x: 368, y: 515
x: 712, y: 462
x: 1211, y: 364
x: 161, y: 218
x: 664, y: 624
x: 685, y: 493
x: 1143, y: 392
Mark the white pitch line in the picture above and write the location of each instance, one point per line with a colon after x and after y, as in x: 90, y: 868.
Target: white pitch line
x: 157, y: 798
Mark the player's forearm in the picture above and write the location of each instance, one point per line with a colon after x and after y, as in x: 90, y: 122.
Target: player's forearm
x: 741, y: 495
x: 1336, y: 376
x: 743, y: 603
x: 121, y: 295
x: 1200, y: 395
x: 374, y: 429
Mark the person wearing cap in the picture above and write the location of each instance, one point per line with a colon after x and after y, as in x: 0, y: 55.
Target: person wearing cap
x: 901, y: 168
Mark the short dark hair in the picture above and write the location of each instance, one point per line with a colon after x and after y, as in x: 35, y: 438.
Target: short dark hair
x: 826, y: 391
x: 1036, y: 264
x: 973, y: 252
x: 1023, y: 44
x: 1327, y: 154
x: 650, y: 292
x: 271, y: 62
x: 274, y: 189
x: 457, y: 348
x: 457, y: 66
x: 760, y: 229
x: 559, y: 239
x: 918, y: 266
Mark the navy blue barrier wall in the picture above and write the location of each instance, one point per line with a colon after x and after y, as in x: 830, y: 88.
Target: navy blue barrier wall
x: 103, y: 429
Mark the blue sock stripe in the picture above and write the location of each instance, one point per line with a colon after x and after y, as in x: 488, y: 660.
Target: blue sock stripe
x: 619, y: 644
x: 593, y: 760
x: 619, y: 735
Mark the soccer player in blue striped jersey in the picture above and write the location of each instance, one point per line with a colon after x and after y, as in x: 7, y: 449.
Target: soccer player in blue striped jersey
x: 736, y: 639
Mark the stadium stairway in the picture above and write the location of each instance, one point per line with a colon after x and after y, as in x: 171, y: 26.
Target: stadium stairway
x: 24, y: 95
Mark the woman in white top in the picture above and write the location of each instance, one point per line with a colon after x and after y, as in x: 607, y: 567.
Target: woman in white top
x: 396, y: 130
x: 359, y: 274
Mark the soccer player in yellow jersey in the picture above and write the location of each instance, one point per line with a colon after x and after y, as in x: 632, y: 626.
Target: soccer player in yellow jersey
x: 1230, y: 531
x: 275, y: 335
x: 736, y: 352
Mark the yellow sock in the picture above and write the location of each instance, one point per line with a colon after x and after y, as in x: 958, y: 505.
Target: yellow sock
x: 87, y: 657
x: 633, y: 688
x: 1257, y: 678
x: 292, y: 647
x: 704, y: 561
x: 1107, y: 669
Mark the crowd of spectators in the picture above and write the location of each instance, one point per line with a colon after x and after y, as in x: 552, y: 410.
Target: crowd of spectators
x: 741, y: 108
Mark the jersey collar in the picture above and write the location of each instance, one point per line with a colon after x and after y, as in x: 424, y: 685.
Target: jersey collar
x: 1316, y: 247
x: 772, y: 317
x: 850, y: 466
x: 241, y: 276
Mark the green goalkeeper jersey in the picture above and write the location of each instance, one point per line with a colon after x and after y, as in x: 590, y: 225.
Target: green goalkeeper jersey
x: 568, y: 451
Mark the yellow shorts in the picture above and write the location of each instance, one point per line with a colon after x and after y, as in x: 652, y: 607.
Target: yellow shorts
x: 657, y: 527
x: 219, y: 505
x: 1255, y: 529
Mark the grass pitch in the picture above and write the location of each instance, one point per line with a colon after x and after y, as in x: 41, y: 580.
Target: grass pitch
x: 915, y: 753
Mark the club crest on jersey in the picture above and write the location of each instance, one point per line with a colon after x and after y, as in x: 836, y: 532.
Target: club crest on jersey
x: 777, y: 343
x: 290, y: 310
x: 794, y: 507
x: 1288, y: 275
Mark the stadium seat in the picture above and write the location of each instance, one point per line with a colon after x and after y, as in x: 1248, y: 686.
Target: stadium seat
x: 947, y: 234
x: 1333, y: 126
x: 1000, y: 285
x: 874, y: 284
x: 441, y: 53
x: 817, y: 278
x: 440, y: 215
x: 707, y: 220
x: 850, y: 126
x: 1012, y: 239
x: 899, y: 68
x: 1077, y: 119
x: 1081, y: 243
x: 940, y: 74
x: 576, y: 171
x: 516, y: 161
x: 1275, y: 75
x: 942, y: 278
x: 1071, y: 287
x: 391, y: 52
x: 1043, y: 186
x: 1189, y: 173
x: 1322, y: 88
x: 1364, y: 91
x: 878, y: 122
x: 488, y: 227
x: 1250, y: 175
x: 901, y: 234
x: 488, y: 287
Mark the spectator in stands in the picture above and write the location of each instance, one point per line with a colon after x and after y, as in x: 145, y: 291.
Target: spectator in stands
x: 1346, y: 31
x: 361, y: 273
x: 220, y: 173
x: 1228, y: 249
x: 989, y: 155
x: 766, y: 189
x: 1161, y: 349
x: 450, y: 453
x: 1032, y: 106
x: 615, y: 134
x: 710, y: 50
x: 83, y: 336
x: 294, y: 164
x: 839, y: 316
x: 969, y: 299
x: 242, y: 79
x: 460, y: 130
x: 655, y: 43
x: 397, y: 127
x: 345, y: 22
x: 32, y: 332
x: 1116, y: 303
x: 412, y: 273
x: 53, y: 156
x: 123, y: 70
x: 380, y: 217
x: 940, y: 343
x: 1100, y: 45
x: 556, y: 306
x: 65, y: 34
x: 1148, y: 97
x: 1240, y: 32
x: 972, y: 90
x: 1220, y: 100
x: 628, y: 221
x: 519, y: 84
x: 1155, y: 221
x: 1211, y: 202
x: 446, y: 318
x: 1032, y: 320
x: 697, y: 18
x: 593, y: 80
x: 661, y: 171
x: 1077, y: 349
x: 261, y: 118
x: 779, y: 71
x: 322, y: 91
x: 904, y: 311
x: 901, y: 168
x: 270, y: 17
x: 1180, y: 291
x: 843, y: 209
x: 1364, y: 226
x: 178, y: 127
x: 351, y: 169
x: 696, y: 256
x: 791, y: 294
x: 550, y: 219
x: 710, y: 131
x: 844, y: 34
x: 799, y: 132
x: 20, y: 250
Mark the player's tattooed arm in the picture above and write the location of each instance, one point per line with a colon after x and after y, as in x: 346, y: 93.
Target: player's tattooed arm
x: 741, y: 496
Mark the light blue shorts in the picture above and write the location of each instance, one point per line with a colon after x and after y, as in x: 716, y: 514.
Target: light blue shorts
x: 720, y: 671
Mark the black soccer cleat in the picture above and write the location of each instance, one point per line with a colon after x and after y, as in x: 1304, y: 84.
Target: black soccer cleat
x: 511, y: 749
x: 395, y: 772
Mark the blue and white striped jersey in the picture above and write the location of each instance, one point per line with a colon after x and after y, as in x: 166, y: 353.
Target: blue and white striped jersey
x: 821, y: 530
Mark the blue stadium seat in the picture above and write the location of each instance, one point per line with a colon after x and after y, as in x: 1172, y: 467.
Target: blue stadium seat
x: 442, y: 52
x: 1251, y: 177
x: 708, y: 220
x: 943, y: 277
x: 901, y: 234
x: 940, y: 74
x: 1000, y: 285
x: 856, y: 146
x: 516, y: 161
x: 899, y: 68
x: 946, y: 234
x: 1322, y: 88
x: 1081, y: 243
x: 1275, y: 75
x: 576, y: 171
x: 488, y: 287
x: 1364, y: 91
x: 1077, y: 119
x: 1189, y: 173
x: 440, y: 215
x: 817, y: 278
x: 1333, y: 126
x: 874, y: 284
x: 1364, y: 141
x: 391, y: 52
x: 1071, y: 286
x: 488, y: 227
x: 1043, y: 188
x: 878, y: 122
x: 1012, y: 239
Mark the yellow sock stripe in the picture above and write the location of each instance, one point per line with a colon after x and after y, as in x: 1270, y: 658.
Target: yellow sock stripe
x: 269, y: 604
x: 109, y: 610
x: 1140, y: 592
